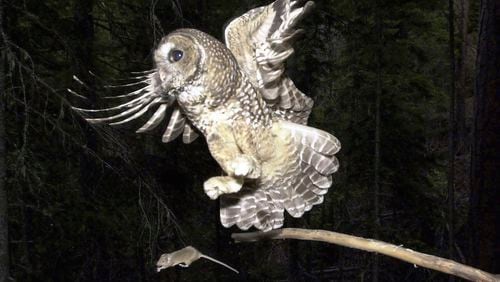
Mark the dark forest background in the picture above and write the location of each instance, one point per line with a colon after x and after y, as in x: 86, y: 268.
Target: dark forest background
x: 400, y: 83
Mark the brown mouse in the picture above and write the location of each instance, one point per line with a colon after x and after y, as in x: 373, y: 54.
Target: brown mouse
x: 185, y: 257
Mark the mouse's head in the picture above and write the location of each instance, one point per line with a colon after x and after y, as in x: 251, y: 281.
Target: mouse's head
x: 165, y: 261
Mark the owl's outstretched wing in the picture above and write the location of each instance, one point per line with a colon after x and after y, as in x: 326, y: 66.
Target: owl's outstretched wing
x: 261, y: 41
x: 138, y: 104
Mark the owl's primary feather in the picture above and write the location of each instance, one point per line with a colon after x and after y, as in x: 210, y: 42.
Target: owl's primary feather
x: 252, y: 115
x: 261, y: 41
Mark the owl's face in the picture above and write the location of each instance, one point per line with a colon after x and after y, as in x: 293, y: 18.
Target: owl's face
x: 178, y: 60
x: 195, y: 67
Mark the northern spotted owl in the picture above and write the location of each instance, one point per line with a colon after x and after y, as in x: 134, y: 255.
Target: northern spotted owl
x: 250, y: 112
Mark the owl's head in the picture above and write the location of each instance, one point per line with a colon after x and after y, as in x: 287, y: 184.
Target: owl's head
x: 192, y: 68
x: 195, y: 67
x: 178, y: 60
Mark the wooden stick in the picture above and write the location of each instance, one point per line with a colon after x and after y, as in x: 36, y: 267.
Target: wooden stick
x: 370, y: 245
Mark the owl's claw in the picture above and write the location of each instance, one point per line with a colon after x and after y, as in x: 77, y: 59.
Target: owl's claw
x: 216, y: 186
x: 245, y: 166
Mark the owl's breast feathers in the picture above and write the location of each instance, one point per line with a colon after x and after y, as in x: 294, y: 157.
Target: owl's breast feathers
x: 240, y: 105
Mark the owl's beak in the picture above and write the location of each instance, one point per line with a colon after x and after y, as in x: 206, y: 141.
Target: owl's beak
x: 163, y: 76
x: 166, y: 87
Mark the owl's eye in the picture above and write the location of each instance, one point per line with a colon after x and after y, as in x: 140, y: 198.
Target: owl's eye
x: 176, y: 55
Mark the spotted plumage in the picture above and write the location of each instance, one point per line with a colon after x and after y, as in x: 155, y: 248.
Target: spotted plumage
x: 251, y: 114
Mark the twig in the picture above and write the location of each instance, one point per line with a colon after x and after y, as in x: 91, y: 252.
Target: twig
x: 370, y: 245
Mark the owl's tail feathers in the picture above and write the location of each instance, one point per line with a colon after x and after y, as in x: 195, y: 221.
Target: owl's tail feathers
x: 251, y: 207
x: 316, y: 150
x: 264, y: 208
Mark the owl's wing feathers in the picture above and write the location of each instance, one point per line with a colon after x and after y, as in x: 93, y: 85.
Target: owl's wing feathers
x: 175, y: 126
x: 264, y: 208
x: 261, y: 41
x: 178, y: 125
x: 189, y: 134
x: 148, y: 97
x: 155, y: 120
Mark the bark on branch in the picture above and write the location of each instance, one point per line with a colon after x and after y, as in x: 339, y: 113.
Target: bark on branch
x: 370, y: 245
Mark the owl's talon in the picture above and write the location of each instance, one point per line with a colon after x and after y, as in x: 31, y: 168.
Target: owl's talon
x: 245, y: 166
x: 242, y: 170
x: 216, y: 186
x: 212, y: 192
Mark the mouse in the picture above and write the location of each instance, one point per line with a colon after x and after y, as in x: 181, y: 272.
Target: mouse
x: 184, y: 258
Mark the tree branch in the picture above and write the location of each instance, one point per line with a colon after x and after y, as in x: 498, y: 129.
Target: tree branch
x: 370, y: 245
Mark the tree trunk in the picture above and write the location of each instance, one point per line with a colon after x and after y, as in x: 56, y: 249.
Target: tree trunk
x: 451, y: 133
x: 376, y: 168
x: 4, y: 231
x: 461, y: 72
x: 486, y: 155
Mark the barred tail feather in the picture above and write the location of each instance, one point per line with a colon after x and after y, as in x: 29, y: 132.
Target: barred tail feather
x: 229, y: 209
x: 316, y: 139
x: 309, y: 178
x: 316, y: 149
x: 250, y: 207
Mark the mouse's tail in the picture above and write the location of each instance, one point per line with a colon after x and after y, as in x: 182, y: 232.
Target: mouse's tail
x: 219, y: 262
